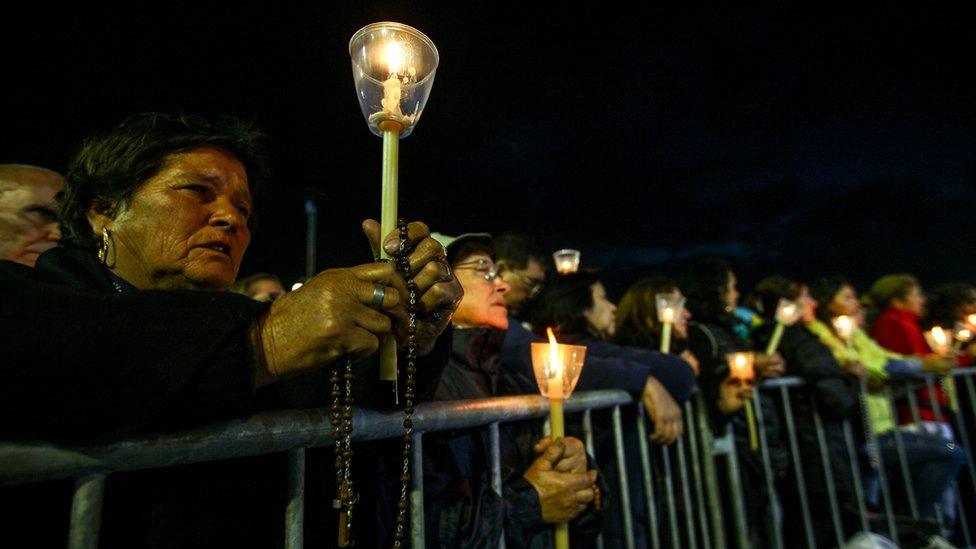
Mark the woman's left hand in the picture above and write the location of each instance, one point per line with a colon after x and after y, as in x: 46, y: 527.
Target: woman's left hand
x: 438, y: 291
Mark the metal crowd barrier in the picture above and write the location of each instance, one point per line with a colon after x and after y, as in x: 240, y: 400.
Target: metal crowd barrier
x: 681, y: 482
x: 287, y: 431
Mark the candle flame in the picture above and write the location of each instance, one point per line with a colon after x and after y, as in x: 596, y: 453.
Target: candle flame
x: 844, y: 326
x: 964, y: 334
x: 395, y: 56
x: 971, y: 319
x: 555, y: 367
x: 668, y: 316
x: 939, y: 336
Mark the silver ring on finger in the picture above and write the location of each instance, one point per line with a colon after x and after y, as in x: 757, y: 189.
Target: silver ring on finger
x: 379, y: 293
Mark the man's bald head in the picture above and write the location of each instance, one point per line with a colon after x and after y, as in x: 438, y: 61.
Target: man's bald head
x: 28, y: 223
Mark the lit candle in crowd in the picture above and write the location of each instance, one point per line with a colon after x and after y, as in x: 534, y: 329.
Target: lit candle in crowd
x: 557, y: 368
x: 938, y: 339
x: 963, y: 334
x: 669, y: 308
x: 787, y: 313
x: 742, y: 368
x: 567, y: 261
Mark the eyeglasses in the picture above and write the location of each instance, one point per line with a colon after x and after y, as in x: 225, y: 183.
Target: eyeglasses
x: 535, y: 286
x: 487, y: 269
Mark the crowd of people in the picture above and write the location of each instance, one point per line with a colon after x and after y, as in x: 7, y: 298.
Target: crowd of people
x: 124, y: 315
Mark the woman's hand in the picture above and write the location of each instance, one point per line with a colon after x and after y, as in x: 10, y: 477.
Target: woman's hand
x: 562, y: 496
x: 770, y: 366
x: 574, y: 455
x: 438, y: 290
x: 332, y: 315
x: 692, y: 361
x: 663, y: 411
x: 936, y: 364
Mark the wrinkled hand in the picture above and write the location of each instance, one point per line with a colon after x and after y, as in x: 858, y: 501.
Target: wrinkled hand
x: 574, y: 455
x: 438, y: 291
x: 562, y: 496
x: 692, y: 361
x: 770, y: 366
x: 330, y: 316
x: 732, y: 396
x: 936, y: 364
x: 663, y: 411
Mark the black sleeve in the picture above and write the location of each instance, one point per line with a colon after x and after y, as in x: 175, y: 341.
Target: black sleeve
x: 89, y: 366
x: 712, y: 371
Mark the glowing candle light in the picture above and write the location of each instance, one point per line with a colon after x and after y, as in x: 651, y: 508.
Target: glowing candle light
x: 741, y: 367
x: 557, y: 368
x: 787, y: 313
x: 938, y: 339
x: 669, y: 307
x: 393, y: 66
x: 963, y: 334
x: 567, y: 261
x: 971, y: 320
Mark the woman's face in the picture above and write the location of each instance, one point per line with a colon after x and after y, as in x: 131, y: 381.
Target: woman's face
x: 845, y: 302
x: 913, y: 302
x: 483, y: 304
x: 731, y: 294
x: 602, y: 315
x: 808, y: 305
x: 185, y: 227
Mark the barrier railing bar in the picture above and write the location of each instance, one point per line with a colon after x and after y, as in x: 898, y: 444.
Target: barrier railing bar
x: 852, y: 455
x: 902, y: 457
x: 735, y: 482
x: 271, y: 432
x: 828, y: 477
x: 295, y: 508
x: 711, y: 475
x: 801, y: 484
x: 618, y: 447
x: 86, y: 512
x: 696, y: 474
x: 686, y: 492
x: 963, y: 520
x: 960, y: 419
x: 646, y: 474
x: 494, y: 446
x: 877, y: 462
x: 669, y: 498
x: 774, y: 506
x: 590, y: 449
x: 937, y: 411
x: 417, y: 535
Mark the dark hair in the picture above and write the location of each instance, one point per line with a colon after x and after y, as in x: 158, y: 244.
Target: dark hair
x: 704, y: 285
x: 564, y: 301
x: 107, y: 169
x: 823, y: 290
x: 243, y: 285
x: 517, y: 249
x: 637, y: 323
x: 945, y: 300
x: 773, y: 288
x: 888, y: 288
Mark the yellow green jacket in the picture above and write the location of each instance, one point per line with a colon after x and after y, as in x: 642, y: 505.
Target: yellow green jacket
x: 874, y: 358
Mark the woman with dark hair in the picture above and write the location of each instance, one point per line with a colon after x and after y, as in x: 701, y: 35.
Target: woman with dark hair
x: 710, y: 286
x: 576, y: 307
x: 637, y: 320
x: 127, y: 326
x: 828, y: 390
x: 933, y: 463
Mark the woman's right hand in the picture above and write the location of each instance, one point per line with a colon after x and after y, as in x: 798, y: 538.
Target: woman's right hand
x: 936, y: 364
x: 331, y: 316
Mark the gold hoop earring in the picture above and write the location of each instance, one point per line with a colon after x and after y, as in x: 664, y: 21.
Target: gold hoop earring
x: 103, y: 249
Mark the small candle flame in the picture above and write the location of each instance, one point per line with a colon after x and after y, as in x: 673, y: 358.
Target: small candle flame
x: 555, y: 367
x: 844, y: 325
x: 964, y: 334
x: 667, y: 316
x: 395, y: 56
x: 971, y: 320
x: 939, y: 336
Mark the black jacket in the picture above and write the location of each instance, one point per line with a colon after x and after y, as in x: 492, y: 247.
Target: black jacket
x: 86, y: 364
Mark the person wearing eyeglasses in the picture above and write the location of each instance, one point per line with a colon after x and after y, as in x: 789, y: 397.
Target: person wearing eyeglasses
x: 542, y: 482
x: 521, y: 263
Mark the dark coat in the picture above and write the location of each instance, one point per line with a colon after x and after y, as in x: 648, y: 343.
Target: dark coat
x: 84, y: 363
x: 462, y: 510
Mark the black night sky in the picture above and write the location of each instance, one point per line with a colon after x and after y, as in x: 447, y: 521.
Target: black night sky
x: 814, y: 140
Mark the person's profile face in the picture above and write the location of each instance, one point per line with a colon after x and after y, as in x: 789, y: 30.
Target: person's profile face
x: 845, y: 302
x: 602, y: 315
x: 731, y: 293
x: 914, y: 301
x: 483, y: 304
x: 28, y: 223
x: 186, y: 226
x: 525, y: 283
